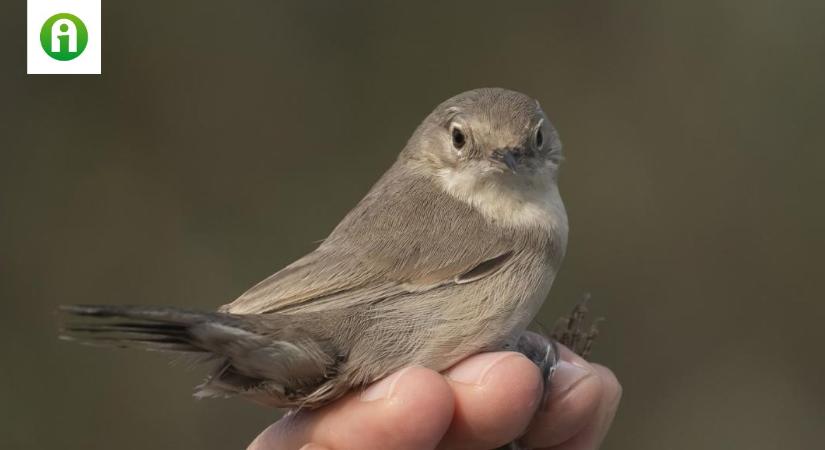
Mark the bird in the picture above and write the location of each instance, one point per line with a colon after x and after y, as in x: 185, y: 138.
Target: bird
x: 451, y: 253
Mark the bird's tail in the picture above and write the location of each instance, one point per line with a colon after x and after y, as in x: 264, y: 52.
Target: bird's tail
x: 148, y: 328
x: 270, y: 358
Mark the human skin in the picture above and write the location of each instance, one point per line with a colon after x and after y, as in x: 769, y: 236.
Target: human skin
x: 483, y: 402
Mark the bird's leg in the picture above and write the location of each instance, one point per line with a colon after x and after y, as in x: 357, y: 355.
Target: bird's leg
x: 544, y: 351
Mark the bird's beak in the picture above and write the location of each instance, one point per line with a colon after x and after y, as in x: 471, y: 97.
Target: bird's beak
x: 506, y: 157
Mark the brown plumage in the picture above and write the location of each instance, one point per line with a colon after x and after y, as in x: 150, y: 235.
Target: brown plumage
x: 451, y: 253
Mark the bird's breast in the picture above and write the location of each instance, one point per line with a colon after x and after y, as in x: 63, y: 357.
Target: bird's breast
x: 513, y: 202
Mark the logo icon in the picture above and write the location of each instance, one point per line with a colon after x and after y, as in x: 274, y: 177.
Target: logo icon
x: 64, y: 36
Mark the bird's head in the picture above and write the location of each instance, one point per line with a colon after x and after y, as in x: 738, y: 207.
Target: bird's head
x: 489, y: 133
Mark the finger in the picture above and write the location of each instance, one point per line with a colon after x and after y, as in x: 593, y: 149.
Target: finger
x: 575, y: 395
x: 592, y: 435
x: 496, y: 395
x: 411, y: 409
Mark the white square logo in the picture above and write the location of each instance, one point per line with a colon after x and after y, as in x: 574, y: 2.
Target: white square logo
x: 63, y: 37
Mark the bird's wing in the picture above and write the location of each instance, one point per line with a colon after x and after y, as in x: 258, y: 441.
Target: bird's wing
x: 405, y: 236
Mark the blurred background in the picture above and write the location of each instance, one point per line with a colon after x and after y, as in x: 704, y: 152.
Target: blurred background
x: 223, y: 139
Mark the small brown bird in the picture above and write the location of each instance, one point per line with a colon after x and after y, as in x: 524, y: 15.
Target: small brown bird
x: 451, y: 253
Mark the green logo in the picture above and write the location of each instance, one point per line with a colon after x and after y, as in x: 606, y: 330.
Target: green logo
x: 64, y: 37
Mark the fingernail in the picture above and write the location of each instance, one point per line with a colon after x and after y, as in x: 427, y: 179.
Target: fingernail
x: 311, y: 446
x: 565, y: 378
x: 474, y: 370
x: 384, y: 388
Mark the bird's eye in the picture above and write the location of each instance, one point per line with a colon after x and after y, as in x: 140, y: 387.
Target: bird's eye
x: 458, y: 138
x: 539, y: 138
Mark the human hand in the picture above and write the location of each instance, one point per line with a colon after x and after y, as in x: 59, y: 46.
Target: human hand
x: 483, y: 402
